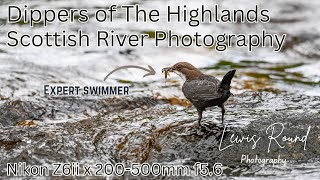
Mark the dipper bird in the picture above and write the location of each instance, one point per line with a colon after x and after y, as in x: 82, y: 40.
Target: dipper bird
x: 203, y: 90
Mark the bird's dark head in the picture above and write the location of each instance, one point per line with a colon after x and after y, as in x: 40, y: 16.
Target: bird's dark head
x: 186, y: 69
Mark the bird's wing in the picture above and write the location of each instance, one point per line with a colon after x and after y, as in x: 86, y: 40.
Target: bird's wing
x: 201, y: 90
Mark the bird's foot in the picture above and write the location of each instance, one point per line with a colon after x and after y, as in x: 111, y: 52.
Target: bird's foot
x: 200, y: 132
x: 197, y: 129
x: 206, y: 127
x: 192, y: 129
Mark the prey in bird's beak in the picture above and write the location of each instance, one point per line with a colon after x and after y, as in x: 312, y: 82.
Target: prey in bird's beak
x: 175, y: 69
x: 166, y: 71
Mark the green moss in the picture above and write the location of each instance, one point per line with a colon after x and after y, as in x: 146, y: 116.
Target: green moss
x: 134, y: 2
x: 253, y: 62
x: 3, y: 21
x: 282, y: 68
x: 189, y: 113
x: 258, y: 75
x: 297, y: 74
x: 279, y: 75
x: 122, y: 81
x: 226, y: 64
x: 132, y: 83
x: 151, y: 34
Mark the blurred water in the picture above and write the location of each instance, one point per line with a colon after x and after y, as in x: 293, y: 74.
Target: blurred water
x: 92, y: 64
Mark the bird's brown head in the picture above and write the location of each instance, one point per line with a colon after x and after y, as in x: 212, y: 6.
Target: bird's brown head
x: 188, y: 70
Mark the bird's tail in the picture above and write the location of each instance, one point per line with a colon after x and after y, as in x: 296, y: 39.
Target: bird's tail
x: 225, y: 83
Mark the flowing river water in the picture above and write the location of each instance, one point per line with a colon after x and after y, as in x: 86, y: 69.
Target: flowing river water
x: 155, y: 124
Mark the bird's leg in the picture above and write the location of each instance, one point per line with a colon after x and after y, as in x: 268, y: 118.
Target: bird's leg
x: 222, y: 111
x: 199, y: 116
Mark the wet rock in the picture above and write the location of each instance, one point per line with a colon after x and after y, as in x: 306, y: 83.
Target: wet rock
x: 206, y: 148
x: 155, y: 132
x: 12, y: 112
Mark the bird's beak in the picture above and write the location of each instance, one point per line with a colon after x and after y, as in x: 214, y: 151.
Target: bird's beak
x: 168, y: 69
